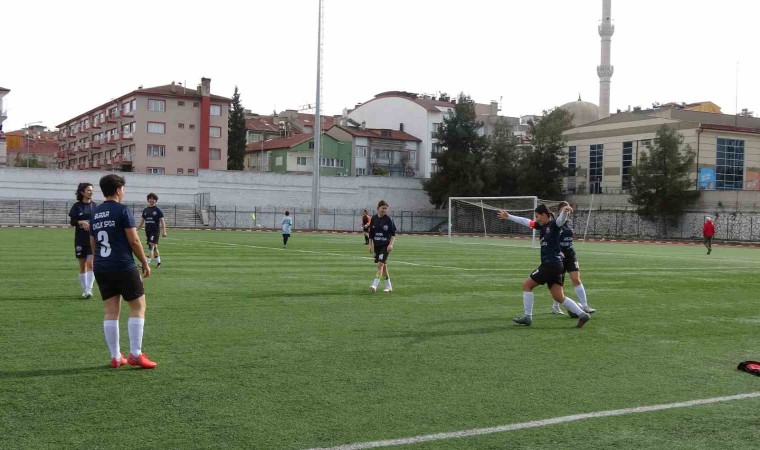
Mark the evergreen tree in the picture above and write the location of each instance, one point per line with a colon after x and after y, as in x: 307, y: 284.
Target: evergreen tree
x: 500, y: 162
x: 236, y: 134
x: 660, y: 185
x: 542, y: 167
x: 460, y: 163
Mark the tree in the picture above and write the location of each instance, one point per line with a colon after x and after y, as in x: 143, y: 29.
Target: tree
x: 236, y: 135
x: 660, y: 185
x: 500, y: 162
x: 542, y: 166
x: 460, y: 162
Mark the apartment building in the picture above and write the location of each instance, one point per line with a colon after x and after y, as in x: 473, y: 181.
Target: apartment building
x: 380, y: 151
x: 3, y: 116
x: 168, y: 129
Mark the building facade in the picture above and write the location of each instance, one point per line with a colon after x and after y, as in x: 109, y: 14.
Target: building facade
x: 161, y: 130
x: 601, y: 154
x: 295, y: 155
x: 380, y: 151
x: 3, y: 116
x: 32, y: 147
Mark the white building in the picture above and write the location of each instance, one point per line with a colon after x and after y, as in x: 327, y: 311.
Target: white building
x: 420, y: 116
x: 3, y: 116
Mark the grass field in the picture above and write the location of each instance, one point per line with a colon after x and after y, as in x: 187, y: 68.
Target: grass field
x: 270, y: 348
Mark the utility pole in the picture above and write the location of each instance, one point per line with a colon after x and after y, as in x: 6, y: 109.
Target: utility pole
x: 317, y: 130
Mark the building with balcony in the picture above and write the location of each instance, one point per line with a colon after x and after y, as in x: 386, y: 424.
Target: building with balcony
x: 380, y: 151
x: 3, y: 116
x: 295, y: 155
x: 168, y: 129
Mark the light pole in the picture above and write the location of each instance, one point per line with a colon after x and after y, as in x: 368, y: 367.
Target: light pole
x: 26, y: 138
x: 317, y: 129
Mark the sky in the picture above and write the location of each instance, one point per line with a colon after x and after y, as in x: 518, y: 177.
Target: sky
x: 60, y: 59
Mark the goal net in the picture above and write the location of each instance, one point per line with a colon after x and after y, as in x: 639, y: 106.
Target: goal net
x: 476, y: 217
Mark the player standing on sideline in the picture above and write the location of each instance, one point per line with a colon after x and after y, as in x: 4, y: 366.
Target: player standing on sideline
x: 383, y: 234
x: 365, y: 225
x: 114, y: 239
x: 570, y: 263
x: 550, y: 270
x: 152, y: 217
x: 708, y: 231
x: 80, y: 215
x: 287, y: 225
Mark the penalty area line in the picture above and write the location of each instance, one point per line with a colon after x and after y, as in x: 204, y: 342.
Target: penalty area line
x: 537, y: 423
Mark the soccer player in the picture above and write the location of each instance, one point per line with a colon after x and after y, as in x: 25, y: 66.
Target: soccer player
x: 365, y: 225
x: 550, y: 270
x: 570, y: 263
x: 153, y: 217
x: 114, y: 239
x: 382, y: 231
x: 708, y: 231
x: 287, y: 225
x: 80, y: 215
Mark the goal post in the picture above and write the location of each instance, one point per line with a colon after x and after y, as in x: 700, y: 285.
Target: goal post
x: 476, y: 216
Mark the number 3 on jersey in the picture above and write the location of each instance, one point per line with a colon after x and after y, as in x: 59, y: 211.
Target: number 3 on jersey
x: 105, y: 246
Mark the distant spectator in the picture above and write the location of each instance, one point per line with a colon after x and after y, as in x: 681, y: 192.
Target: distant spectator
x: 708, y: 231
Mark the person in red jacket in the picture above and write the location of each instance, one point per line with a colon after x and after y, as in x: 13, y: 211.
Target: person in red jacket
x: 708, y: 231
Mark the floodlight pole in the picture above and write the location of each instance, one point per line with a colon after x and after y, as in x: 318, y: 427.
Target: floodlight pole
x: 315, y: 165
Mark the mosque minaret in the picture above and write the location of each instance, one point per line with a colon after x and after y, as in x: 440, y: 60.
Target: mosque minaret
x: 605, y: 69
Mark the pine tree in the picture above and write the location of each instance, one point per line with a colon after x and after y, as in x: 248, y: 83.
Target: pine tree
x: 500, y: 162
x: 542, y: 166
x: 236, y: 136
x: 660, y: 185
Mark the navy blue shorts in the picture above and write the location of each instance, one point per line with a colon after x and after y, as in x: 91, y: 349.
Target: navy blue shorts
x: 549, y: 274
x: 381, y: 254
x: 82, y: 250
x: 127, y: 284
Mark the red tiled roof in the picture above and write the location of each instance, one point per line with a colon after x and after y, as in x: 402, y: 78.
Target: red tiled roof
x: 261, y: 123
x: 377, y: 133
x: 162, y: 91
x: 278, y: 143
x: 308, y: 120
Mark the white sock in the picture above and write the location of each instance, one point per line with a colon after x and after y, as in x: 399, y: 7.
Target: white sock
x: 149, y: 260
x: 528, y: 303
x: 387, y: 283
x: 376, y: 282
x: 572, y: 306
x: 111, y: 330
x: 135, y: 328
x: 158, y: 259
x: 581, y: 291
x: 90, y: 276
x: 83, y: 281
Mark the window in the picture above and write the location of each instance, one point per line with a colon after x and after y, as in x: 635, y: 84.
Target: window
x: 156, y: 105
x: 216, y: 110
x: 155, y: 170
x: 330, y: 162
x: 180, y: 148
x: 412, y: 156
x: 729, y: 165
x: 572, y: 155
x: 191, y: 126
x: 215, y: 132
x: 180, y: 103
x: 180, y: 171
x: 278, y: 160
x: 214, y: 154
x: 311, y: 145
x: 181, y: 125
x: 191, y: 149
x: 253, y: 137
x: 596, y: 166
x: 196, y: 104
x: 436, y: 130
x: 361, y: 151
x: 301, y: 161
x: 361, y: 171
x: 191, y: 171
x: 156, y: 127
x: 627, y: 165
x: 436, y: 149
x: 156, y: 150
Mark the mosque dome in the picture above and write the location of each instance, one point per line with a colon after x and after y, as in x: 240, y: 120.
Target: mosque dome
x: 583, y: 112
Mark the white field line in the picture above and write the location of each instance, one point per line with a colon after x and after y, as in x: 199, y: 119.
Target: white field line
x: 537, y: 423
x: 343, y: 255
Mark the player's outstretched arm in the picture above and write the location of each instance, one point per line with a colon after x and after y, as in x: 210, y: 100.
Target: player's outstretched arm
x: 503, y: 215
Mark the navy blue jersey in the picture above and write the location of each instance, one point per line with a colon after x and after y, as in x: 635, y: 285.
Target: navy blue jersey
x: 381, y: 229
x: 566, y: 239
x: 152, y: 216
x: 112, y: 250
x: 81, y: 211
x: 550, y: 248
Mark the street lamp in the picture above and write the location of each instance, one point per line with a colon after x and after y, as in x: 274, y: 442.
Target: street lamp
x: 26, y: 138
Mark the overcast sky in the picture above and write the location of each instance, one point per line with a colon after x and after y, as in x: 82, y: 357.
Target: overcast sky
x: 62, y: 58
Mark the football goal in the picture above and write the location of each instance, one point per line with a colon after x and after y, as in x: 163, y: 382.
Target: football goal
x: 476, y: 216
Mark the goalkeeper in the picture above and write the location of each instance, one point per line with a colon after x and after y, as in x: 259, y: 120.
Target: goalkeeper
x: 551, y: 269
x: 571, y: 265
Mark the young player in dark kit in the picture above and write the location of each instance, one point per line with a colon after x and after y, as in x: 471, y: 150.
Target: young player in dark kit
x: 114, y: 239
x: 551, y: 268
x: 153, y: 218
x: 571, y: 265
x: 382, y: 232
x: 80, y: 215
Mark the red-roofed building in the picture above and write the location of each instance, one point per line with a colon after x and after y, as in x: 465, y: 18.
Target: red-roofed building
x: 295, y: 154
x: 380, y: 151
x: 3, y: 116
x: 168, y: 129
x: 36, y: 144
